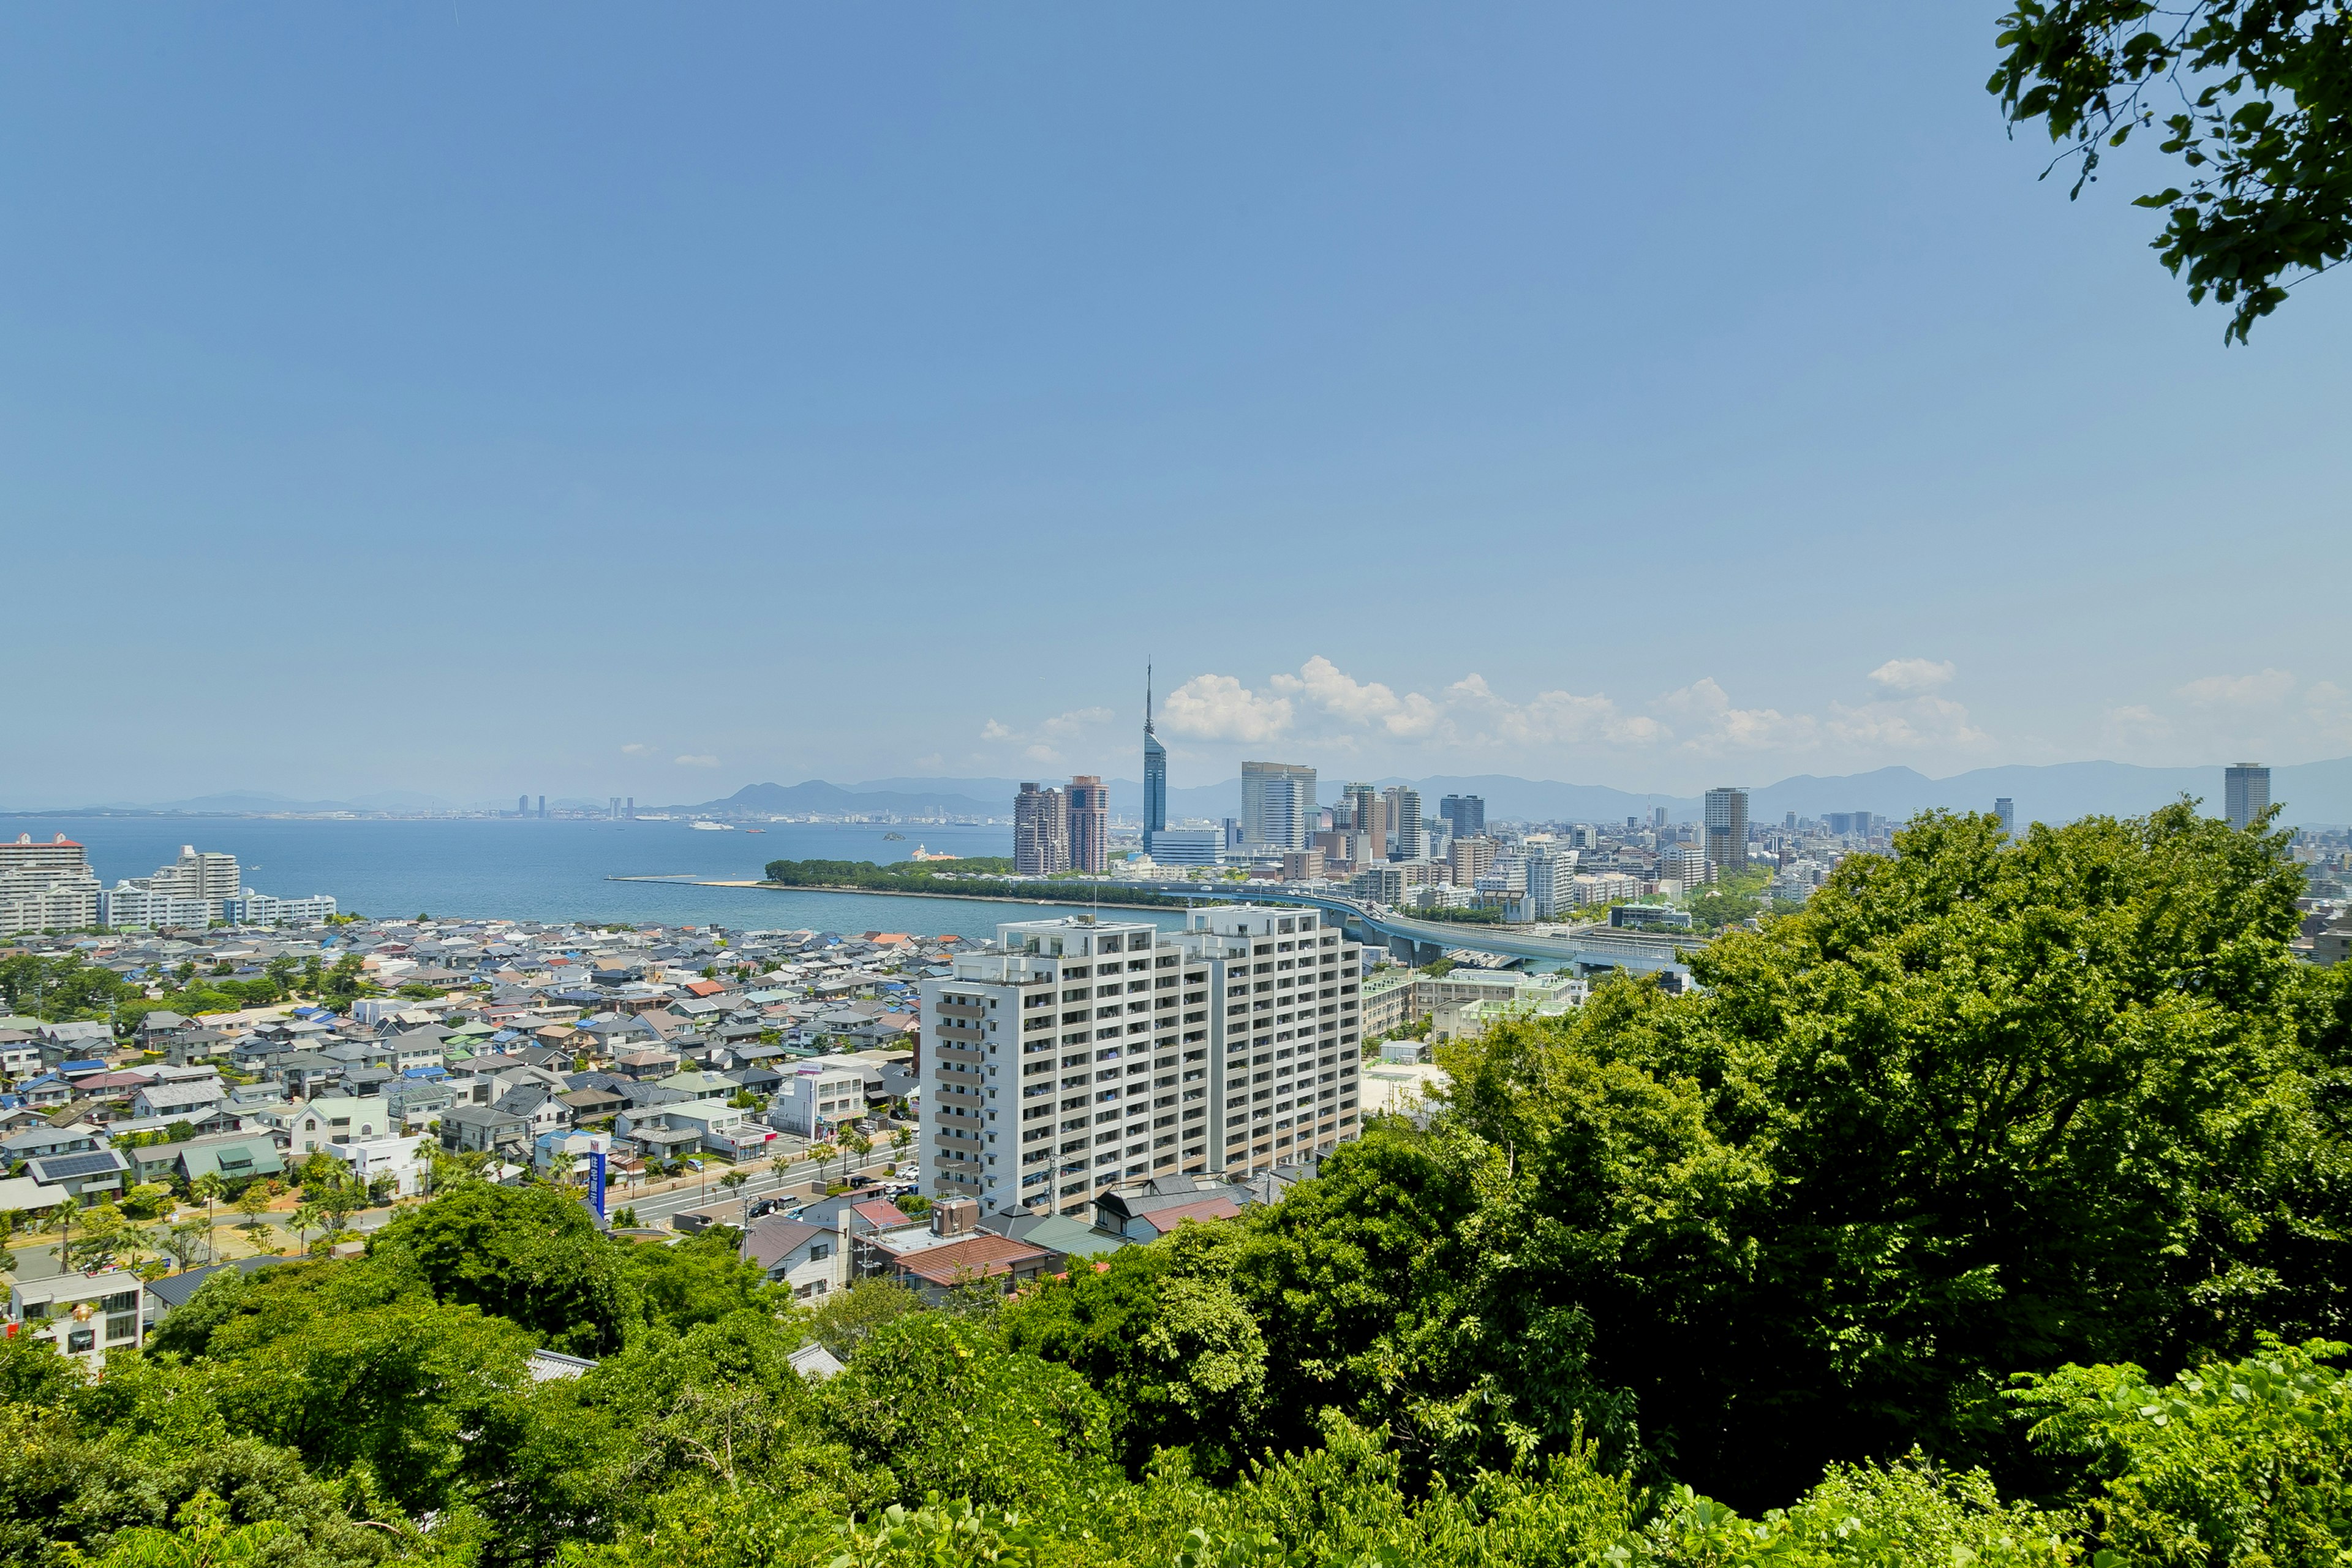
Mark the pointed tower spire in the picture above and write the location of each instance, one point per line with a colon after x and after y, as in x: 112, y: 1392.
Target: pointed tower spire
x: 1146, y: 696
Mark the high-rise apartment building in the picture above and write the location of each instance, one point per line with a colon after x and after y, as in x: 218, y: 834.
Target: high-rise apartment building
x: 46, y: 887
x: 1405, y: 831
x: 1466, y: 814
x: 1041, y: 832
x: 2006, y: 809
x: 1470, y: 859
x: 1078, y: 1053
x: 1657, y: 819
x: 522, y: 805
x: 1726, y: 830
x: 1369, y: 815
x: 205, y: 874
x: 1278, y: 809
x: 1090, y: 814
x: 2245, y: 793
x: 1552, y: 880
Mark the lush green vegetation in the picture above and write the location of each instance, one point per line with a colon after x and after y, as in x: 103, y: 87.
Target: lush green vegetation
x: 974, y: 878
x: 1990, y: 1210
x: 67, y: 988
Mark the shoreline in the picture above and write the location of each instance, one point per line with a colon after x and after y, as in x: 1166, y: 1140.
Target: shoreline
x: 903, y: 893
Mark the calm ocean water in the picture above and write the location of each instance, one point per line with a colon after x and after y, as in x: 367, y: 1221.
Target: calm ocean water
x: 527, y: 869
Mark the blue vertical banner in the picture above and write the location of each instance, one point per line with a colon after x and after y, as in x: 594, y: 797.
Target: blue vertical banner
x: 596, y: 1181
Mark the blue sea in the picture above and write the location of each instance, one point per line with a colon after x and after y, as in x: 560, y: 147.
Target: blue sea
x: 524, y: 869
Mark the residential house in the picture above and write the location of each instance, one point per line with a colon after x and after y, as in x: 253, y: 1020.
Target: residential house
x: 186, y: 1102
x: 87, y: 1179
x: 468, y: 1129
x: 812, y: 1260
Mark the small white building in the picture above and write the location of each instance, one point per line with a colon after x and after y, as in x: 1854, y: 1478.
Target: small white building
x: 816, y: 1097
x: 409, y: 1159
x: 84, y: 1315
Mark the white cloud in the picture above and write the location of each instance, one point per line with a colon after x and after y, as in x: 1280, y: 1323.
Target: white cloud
x: 704, y: 760
x: 1552, y: 718
x: 1361, y: 704
x: 636, y: 749
x: 1729, y: 728
x: 993, y: 731
x: 2266, y: 689
x: 1918, y: 722
x: 1075, y: 720
x: 1913, y: 674
x: 2137, y: 721
x: 1219, y: 707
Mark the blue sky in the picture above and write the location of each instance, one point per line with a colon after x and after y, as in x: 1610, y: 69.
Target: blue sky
x: 598, y: 400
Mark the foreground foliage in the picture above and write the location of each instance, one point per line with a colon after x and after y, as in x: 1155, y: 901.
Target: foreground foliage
x: 1990, y: 1210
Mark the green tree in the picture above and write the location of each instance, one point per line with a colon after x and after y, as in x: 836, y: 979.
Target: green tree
x: 844, y: 1319
x: 2257, y: 104
x: 2245, y: 1461
x: 1976, y: 1109
x: 1165, y: 1339
x: 531, y: 1255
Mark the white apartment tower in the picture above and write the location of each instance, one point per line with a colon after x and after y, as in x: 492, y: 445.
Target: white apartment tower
x: 46, y: 887
x: 1078, y: 1053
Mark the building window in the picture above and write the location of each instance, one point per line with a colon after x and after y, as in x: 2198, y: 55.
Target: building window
x: 125, y: 1326
x: 79, y: 1339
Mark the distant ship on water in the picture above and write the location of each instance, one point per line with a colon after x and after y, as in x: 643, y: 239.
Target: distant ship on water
x: 709, y: 826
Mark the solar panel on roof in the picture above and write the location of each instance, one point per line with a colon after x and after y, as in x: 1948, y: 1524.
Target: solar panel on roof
x: 65, y: 1167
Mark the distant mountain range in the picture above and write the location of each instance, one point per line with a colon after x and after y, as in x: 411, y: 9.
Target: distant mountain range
x: 2313, y: 794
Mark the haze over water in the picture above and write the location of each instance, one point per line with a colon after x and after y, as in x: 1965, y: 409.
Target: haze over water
x: 554, y: 871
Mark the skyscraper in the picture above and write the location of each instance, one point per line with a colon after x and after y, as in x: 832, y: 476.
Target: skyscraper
x: 1465, y: 812
x: 2006, y: 809
x: 1404, y: 822
x: 1155, y: 772
x: 2245, y: 793
x: 1369, y: 815
x: 1041, y: 832
x: 1277, y: 805
x: 522, y: 805
x: 1726, y: 830
x: 1090, y: 814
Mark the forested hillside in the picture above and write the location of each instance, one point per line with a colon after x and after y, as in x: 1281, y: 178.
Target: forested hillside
x: 1990, y: 1210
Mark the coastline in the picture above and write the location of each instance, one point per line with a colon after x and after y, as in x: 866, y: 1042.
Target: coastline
x: 905, y: 893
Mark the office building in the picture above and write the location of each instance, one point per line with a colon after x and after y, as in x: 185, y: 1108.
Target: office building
x: 613, y: 809
x: 1369, y: 815
x: 522, y: 805
x: 1186, y: 847
x: 1407, y: 840
x: 1726, y: 830
x: 1463, y: 815
x: 1041, y: 832
x: 1302, y: 865
x: 1155, y: 771
x: 2245, y: 793
x: 1278, y: 809
x: 2006, y: 809
x: 46, y: 886
x: 542, y: 805
x: 1078, y: 1053
x: 1658, y: 819
x: 1088, y: 803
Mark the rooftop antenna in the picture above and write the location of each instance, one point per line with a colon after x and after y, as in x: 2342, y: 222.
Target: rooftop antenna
x: 1146, y: 696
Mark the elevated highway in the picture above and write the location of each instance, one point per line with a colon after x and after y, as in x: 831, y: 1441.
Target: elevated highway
x: 1589, y: 949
